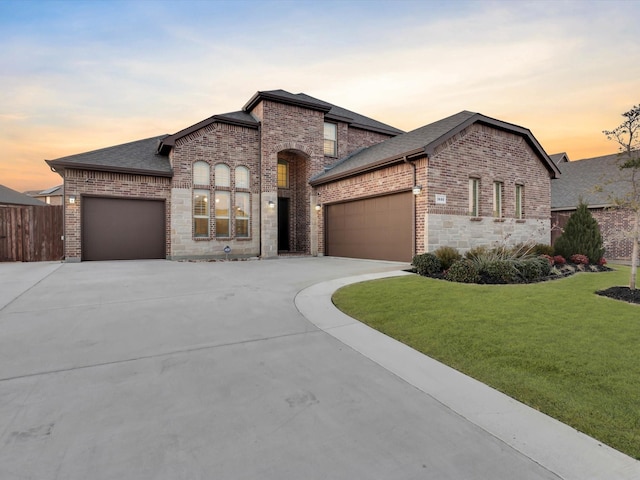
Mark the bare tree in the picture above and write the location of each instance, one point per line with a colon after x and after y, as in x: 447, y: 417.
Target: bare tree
x: 627, y: 135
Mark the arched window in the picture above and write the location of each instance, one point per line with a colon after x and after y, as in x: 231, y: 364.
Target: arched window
x: 222, y: 175
x: 201, y: 173
x: 242, y: 177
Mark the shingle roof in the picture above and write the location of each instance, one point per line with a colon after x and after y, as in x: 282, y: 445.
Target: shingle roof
x: 580, y: 178
x: 11, y: 197
x: 559, y: 158
x: 421, y: 141
x: 134, y: 157
x: 332, y: 112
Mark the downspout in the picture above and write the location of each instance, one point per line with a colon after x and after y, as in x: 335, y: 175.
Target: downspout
x: 415, y: 207
x: 260, y: 188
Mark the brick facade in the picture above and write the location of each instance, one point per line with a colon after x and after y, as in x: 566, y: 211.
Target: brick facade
x: 79, y: 183
x: 478, y: 151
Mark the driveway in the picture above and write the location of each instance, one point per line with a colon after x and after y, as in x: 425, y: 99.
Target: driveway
x: 197, y: 370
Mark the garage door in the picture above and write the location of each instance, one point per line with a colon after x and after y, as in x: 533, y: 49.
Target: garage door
x: 378, y: 228
x: 122, y: 229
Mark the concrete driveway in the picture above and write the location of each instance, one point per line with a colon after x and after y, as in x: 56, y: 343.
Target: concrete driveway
x: 185, y: 370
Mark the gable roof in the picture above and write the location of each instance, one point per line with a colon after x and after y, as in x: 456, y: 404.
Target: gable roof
x: 11, y: 197
x: 580, y: 178
x: 136, y: 157
x: 559, y: 158
x: 420, y: 142
x: 242, y: 119
x: 332, y: 112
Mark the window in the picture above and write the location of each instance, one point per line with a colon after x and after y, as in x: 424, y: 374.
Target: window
x: 519, y: 198
x: 497, y: 199
x: 201, y: 213
x: 474, y: 197
x: 223, y: 175
x: 242, y: 214
x: 201, y: 173
x: 242, y: 177
x: 331, y: 139
x: 283, y: 174
x: 222, y: 214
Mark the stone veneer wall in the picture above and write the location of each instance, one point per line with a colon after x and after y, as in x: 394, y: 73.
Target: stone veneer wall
x: 107, y: 184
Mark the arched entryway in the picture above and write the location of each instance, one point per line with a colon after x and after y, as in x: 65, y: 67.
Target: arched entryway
x: 293, y: 202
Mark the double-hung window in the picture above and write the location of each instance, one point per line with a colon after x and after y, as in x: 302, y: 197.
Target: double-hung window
x: 519, y: 199
x: 331, y: 139
x: 222, y: 214
x: 201, y: 213
x: 497, y: 199
x: 242, y: 214
x: 474, y: 197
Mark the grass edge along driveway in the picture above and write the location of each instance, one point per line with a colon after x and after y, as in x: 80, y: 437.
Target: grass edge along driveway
x: 555, y: 346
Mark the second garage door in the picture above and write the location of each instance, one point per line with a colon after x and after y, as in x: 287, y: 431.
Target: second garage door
x: 379, y: 228
x: 122, y: 229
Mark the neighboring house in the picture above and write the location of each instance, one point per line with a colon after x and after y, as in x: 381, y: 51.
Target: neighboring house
x: 50, y: 196
x: 9, y: 197
x: 293, y: 174
x: 594, y: 181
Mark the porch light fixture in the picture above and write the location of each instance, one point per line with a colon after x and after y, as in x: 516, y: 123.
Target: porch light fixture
x: 72, y: 199
x: 318, y: 207
x: 271, y: 204
x: 417, y: 189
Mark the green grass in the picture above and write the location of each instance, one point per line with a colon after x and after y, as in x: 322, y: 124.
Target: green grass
x: 555, y: 346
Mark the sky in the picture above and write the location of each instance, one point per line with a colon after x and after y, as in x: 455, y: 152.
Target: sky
x: 80, y: 75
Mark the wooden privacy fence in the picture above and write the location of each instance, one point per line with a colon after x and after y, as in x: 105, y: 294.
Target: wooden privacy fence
x: 31, y: 233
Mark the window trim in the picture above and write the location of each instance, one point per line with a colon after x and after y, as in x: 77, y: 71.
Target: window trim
x: 333, y: 151
x: 218, y: 217
x: 474, y: 196
x: 246, y: 217
x: 285, y: 164
x: 519, y: 201
x: 206, y: 216
x: 498, y: 188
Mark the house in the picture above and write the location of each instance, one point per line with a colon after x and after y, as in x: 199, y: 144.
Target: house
x: 9, y: 197
x: 594, y: 181
x: 50, y: 196
x: 289, y: 173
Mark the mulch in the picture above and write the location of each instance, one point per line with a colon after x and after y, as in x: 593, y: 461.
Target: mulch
x: 624, y: 294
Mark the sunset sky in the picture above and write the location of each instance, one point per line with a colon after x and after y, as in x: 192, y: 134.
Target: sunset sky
x: 80, y: 75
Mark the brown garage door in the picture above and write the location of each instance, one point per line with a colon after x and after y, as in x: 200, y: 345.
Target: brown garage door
x: 122, y: 229
x: 378, y: 228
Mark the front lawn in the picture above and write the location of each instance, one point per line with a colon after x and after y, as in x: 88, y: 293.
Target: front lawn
x: 556, y: 346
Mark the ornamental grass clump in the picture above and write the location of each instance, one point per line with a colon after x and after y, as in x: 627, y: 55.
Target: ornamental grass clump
x: 448, y: 256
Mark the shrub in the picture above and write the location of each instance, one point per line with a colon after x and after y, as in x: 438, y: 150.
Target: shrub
x: 581, y: 235
x: 602, y: 261
x: 447, y: 256
x: 475, y: 252
x: 463, y: 271
x: 579, y: 259
x: 427, y: 264
x: 542, y: 249
x: 533, y: 269
x: 559, y: 260
x: 548, y: 258
x: 500, y: 271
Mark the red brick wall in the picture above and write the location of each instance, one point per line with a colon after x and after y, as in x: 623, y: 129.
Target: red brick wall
x: 490, y: 155
x: 106, y: 184
x: 613, y: 223
x: 478, y: 151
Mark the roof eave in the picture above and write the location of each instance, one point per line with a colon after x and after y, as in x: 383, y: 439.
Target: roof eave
x: 260, y: 96
x: 56, y: 165
x: 410, y: 155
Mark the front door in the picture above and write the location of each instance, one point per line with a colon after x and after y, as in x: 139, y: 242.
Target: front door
x: 283, y: 224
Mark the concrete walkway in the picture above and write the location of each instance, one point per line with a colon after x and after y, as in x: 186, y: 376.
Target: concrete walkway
x: 179, y: 370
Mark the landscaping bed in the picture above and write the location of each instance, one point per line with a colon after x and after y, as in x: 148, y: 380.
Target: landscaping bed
x: 624, y: 294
